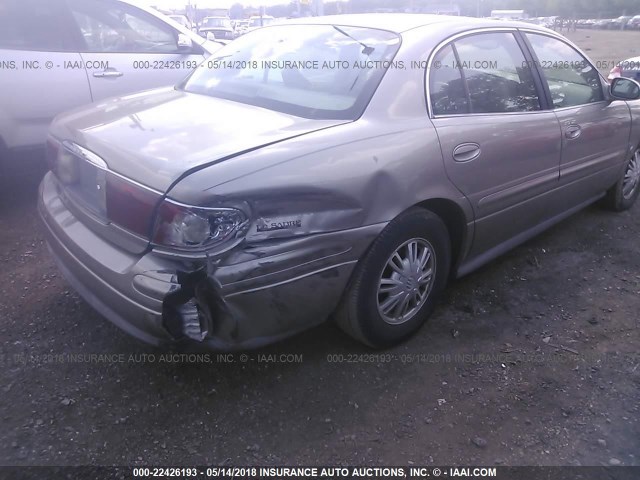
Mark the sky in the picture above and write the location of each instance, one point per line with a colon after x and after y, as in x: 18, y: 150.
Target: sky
x: 171, y: 4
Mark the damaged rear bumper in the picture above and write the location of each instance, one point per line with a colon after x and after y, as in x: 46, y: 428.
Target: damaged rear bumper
x: 254, y: 295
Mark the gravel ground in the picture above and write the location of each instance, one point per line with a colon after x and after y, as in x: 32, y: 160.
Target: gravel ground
x: 606, y: 48
x: 533, y: 360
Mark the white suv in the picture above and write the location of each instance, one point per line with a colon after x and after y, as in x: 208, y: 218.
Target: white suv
x: 59, y: 54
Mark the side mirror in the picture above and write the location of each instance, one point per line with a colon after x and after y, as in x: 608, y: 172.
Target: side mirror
x: 211, y: 36
x: 184, y: 42
x: 625, y: 89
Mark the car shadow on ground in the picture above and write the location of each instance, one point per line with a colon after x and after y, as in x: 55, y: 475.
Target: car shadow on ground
x: 19, y: 187
x: 78, y: 390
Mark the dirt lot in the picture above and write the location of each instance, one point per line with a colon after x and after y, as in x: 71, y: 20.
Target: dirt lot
x: 533, y: 360
x: 607, y: 48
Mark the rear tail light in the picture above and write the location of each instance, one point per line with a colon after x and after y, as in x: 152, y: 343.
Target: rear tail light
x: 53, y: 148
x: 186, y: 227
x: 62, y: 158
x: 129, y: 205
x: 132, y: 206
x: 86, y: 175
x: 61, y: 161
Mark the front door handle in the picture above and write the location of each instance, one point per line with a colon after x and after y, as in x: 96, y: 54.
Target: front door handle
x: 573, y: 131
x: 466, y: 152
x: 108, y: 73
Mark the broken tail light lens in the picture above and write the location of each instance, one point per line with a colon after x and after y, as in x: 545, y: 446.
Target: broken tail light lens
x: 186, y: 227
x: 61, y: 160
x: 53, y: 148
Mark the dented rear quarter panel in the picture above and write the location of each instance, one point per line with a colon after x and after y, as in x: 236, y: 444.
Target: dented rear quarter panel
x: 342, y: 177
x: 315, y: 199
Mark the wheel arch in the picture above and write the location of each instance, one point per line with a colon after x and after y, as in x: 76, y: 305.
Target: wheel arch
x: 456, y: 222
x: 440, y: 220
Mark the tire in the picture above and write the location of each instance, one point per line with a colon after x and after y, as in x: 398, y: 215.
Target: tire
x: 624, y: 193
x: 379, y: 316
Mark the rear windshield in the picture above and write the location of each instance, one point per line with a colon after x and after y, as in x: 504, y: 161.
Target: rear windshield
x: 216, y: 22
x: 260, y: 22
x: 312, y: 71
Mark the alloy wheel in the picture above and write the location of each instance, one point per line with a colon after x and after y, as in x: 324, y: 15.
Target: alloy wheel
x: 631, y: 176
x: 406, y: 281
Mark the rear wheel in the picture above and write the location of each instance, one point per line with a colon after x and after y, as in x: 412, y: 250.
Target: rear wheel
x: 396, y: 284
x: 624, y: 193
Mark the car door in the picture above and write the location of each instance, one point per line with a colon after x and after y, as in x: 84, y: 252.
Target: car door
x: 595, y: 130
x: 127, y: 49
x: 500, y: 146
x: 36, y: 82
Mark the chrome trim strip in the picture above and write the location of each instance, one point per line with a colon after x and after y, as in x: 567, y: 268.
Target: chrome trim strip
x: 76, y: 149
x: 217, y: 209
x: 465, y: 115
x: 85, y: 154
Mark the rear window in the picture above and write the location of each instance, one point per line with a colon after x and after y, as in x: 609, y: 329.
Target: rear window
x: 312, y: 71
x: 216, y: 22
x: 260, y: 22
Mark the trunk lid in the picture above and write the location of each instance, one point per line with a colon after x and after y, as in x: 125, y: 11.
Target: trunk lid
x: 154, y: 137
x: 138, y: 146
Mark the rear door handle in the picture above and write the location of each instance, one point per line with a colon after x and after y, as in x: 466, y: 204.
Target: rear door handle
x: 109, y: 73
x: 466, y: 152
x: 573, y: 132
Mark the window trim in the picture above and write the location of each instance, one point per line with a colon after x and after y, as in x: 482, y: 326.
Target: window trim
x: 83, y: 47
x: 542, y: 95
x: 545, y: 83
x: 463, y: 76
x: 465, y: 86
x: 538, y: 78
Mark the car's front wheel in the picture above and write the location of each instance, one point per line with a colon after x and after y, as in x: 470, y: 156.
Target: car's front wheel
x: 396, y: 284
x: 624, y: 193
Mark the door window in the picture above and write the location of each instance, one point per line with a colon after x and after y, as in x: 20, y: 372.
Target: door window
x: 109, y: 27
x: 497, y: 74
x: 572, y: 79
x: 448, y: 92
x: 484, y: 73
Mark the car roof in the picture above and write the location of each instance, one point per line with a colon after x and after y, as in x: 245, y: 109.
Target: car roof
x: 402, y: 22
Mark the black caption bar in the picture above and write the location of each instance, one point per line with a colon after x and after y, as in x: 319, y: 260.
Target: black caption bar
x: 324, y: 473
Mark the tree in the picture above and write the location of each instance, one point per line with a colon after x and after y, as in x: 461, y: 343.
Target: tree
x: 535, y: 8
x: 236, y: 11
